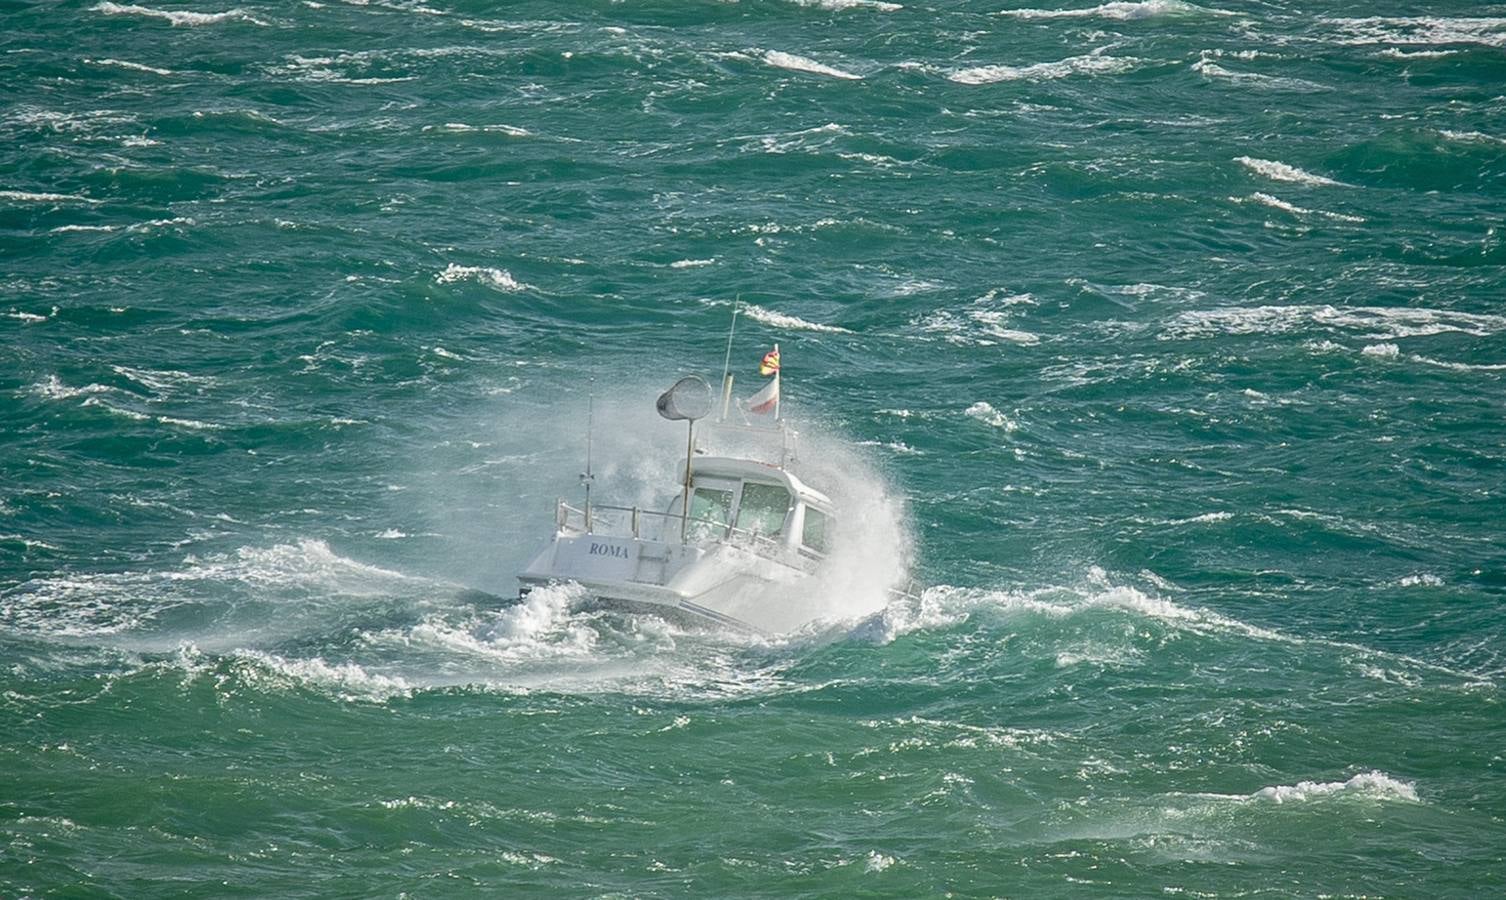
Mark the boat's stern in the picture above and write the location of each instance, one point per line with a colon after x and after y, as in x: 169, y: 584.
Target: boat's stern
x: 619, y: 567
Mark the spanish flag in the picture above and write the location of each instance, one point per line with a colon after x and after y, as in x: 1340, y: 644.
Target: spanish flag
x: 770, y: 364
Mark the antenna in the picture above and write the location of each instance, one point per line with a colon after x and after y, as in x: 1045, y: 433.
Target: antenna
x: 727, y: 361
x: 586, y: 477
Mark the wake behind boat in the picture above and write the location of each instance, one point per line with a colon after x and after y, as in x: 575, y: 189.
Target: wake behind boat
x: 743, y: 530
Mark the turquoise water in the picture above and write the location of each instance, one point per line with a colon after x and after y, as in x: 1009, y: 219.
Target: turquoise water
x: 1162, y: 342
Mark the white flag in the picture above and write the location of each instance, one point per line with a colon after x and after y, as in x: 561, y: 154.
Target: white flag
x: 767, y: 399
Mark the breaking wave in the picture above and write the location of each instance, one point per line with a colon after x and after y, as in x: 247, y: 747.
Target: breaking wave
x: 1368, y: 322
x: 501, y: 279
x: 1280, y: 171
x: 178, y: 17
x: 795, y: 63
x: 1375, y: 785
x: 835, y: 5
x: 1090, y: 64
x: 1121, y: 10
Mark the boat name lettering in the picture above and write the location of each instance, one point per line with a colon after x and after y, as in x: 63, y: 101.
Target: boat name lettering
x: 608, y: 550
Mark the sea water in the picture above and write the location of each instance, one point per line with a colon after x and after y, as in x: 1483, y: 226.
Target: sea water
x: 1161, y: 343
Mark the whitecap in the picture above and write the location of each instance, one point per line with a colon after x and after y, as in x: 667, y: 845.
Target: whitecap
x: 463, y: 128
x: 193, y: 424
x: 133, y: 228
x: 1280, y: 171
x: 116, y: 410
x: 540, y: 627
x: 1120, y: 10
x: 778, y: 319
x: 944, y: 605
x: 177, y: 17
x: 1373, y: 322
x: 109, y: 603
x: 1209, y: 69
x: 1471, y: 137
x: 1458, y: 366
x: 133, y: 66
x: 1373, y: 784
x: 44, y: 197
x: 164, y: 380
x: 54, y: 389
x: 692, y: 263
x: 1423, y: 30
x: 347, y: 681
x: 982, y: 327
x: 1425, y: 579
x: 894, y: 446
x: 1277, y: 203
x: 1220, y: 516
x: 991, y: 322
x: 27, y: 317
x: 1101, y: 656
x: 803, y: 64
x: 838, y: 5
x: 501, y: 279
x: 1386, y: 351
x: 984, y: 412
x: 29, y: 543
x: 1091, y: 64
x: 1396, y: 53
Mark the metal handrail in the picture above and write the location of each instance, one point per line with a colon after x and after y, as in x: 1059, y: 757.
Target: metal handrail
x: 563, y: 510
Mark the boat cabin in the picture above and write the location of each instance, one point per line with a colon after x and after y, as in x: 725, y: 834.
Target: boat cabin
x: 742, y: 498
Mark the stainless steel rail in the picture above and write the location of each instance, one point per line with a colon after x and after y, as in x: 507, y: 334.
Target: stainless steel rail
x: 564, y: 513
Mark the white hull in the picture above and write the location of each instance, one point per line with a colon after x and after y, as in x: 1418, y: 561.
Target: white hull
x: 717, y: 582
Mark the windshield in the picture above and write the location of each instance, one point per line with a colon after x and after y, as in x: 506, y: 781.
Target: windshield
x: 763, y: 509
x: 814, y: 535
x: 710, y: 510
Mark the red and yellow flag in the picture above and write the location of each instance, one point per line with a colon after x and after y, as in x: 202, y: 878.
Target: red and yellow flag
x: 770, y: 364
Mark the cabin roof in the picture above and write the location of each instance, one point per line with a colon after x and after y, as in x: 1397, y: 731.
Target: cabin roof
x: 767, y: 473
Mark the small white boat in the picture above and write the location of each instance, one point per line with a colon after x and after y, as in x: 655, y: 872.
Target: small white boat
x: 742, y: 532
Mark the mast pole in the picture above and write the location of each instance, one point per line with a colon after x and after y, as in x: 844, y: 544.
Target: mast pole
x: 685, y: 502
x: 727, y: 361
x: 586, y: 477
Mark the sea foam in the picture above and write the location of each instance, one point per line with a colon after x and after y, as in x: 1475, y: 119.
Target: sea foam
x: 803, y: 64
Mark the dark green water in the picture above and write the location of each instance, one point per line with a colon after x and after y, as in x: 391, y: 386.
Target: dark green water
x: 1167, y: 340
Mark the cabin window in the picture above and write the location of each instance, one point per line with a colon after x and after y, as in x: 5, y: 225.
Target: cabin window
x: 814, y: 534
x: 710, y: 507
x: 763, y: 509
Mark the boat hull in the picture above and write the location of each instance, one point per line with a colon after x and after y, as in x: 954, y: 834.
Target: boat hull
x: 720, y: 585
x: 701, y: 610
